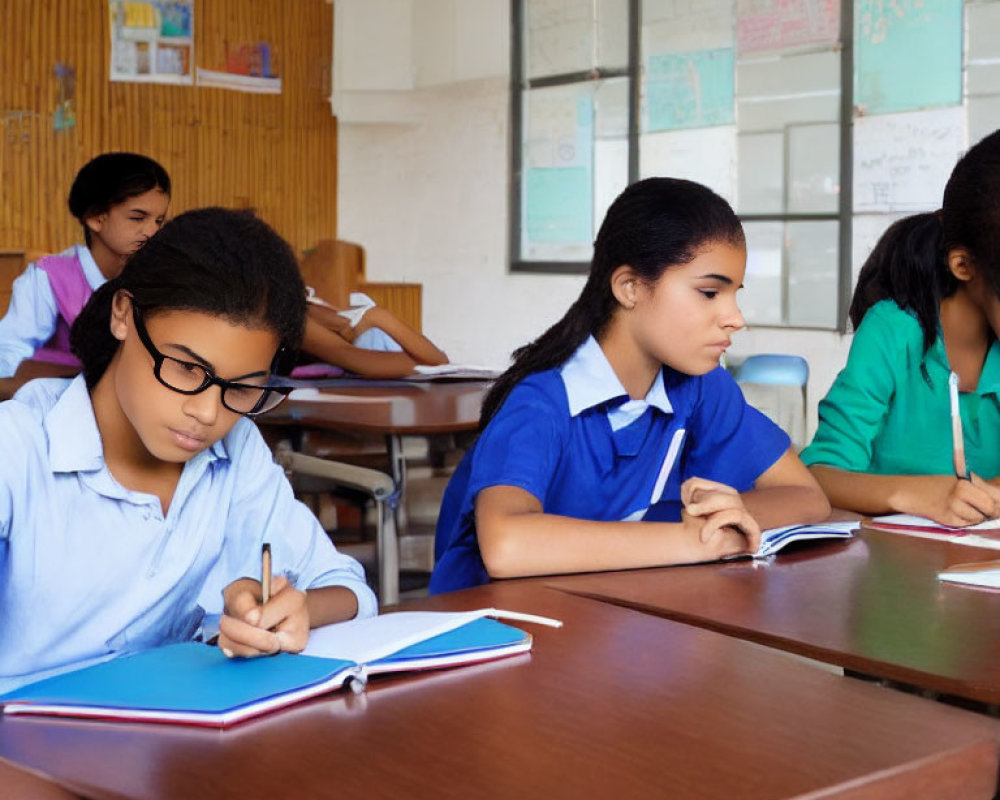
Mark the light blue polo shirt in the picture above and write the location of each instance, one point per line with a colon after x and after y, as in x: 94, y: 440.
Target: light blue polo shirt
x: 31, y: 318
x: 572, y: 438
x: 90, y: 570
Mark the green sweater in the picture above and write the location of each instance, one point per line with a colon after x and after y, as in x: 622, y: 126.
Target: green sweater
x: 888, y: 412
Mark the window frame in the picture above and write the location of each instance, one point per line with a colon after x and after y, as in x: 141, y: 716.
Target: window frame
x: 843, y: 216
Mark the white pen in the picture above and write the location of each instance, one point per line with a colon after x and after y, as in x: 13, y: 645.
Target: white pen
x: 957, y: 439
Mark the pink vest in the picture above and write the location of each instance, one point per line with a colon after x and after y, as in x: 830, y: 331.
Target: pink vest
x: 71, y: 291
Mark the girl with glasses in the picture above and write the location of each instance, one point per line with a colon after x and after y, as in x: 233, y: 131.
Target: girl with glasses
x: 135, y: 498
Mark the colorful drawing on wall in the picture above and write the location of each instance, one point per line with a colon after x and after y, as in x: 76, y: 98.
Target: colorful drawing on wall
x: 249, y: 68
x: 908, y: 54
x: 64, y: 115
x: 780, y: 24
x: 690, y: 90
x: 152, y: 41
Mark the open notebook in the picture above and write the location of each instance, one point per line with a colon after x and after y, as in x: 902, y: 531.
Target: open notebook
x: 984, y: 574
x: 985, y: 534
x: 774, y: 539
x: 193, y: 683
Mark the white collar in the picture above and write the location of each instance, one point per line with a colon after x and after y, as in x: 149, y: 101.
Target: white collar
x: 590, y: 380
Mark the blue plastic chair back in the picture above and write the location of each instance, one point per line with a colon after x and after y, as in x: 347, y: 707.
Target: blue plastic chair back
x: 774, y: 369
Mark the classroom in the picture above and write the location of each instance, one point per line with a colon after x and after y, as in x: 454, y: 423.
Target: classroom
x: 453, y: 161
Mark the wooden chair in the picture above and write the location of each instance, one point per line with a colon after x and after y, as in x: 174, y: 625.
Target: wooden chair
x: 335, y: 268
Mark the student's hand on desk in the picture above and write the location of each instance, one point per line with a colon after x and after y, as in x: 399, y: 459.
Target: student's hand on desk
x: 950, y: 501
x: 721, y: 512
x: 250, y: 629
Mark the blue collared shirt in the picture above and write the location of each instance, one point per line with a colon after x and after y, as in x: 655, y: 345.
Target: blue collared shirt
x: 31, y: 318
x: 572, y: 438
x: 90, y: 570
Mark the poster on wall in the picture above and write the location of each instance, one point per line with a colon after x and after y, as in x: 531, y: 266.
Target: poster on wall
x: 690, y: 90
x: 558, y: 210
x: 152, y: 41
x: 780, y: 24
x: 908, y: 55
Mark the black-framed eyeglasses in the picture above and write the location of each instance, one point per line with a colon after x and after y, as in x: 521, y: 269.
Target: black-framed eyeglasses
x: 190, y: 377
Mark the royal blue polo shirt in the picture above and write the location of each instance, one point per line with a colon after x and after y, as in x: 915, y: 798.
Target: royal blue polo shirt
x: 573, y: 438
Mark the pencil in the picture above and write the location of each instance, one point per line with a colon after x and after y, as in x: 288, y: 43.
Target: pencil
x: 265, y: 573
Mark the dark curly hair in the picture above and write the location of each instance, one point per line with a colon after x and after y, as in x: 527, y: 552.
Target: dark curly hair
x: 214, y: 260
x: 110, y: 179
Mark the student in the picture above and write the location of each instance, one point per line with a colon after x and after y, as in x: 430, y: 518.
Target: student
x: 620, y: 412
x: 927, y: 303
x: 135, y: 498
x: 121, y: 200
x: 368, y: 341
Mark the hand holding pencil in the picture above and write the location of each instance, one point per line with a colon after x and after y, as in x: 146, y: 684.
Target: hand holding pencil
x: 263, y: 617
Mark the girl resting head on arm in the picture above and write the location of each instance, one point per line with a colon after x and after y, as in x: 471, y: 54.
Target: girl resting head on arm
x: 615, y: 439
x: 927, y: 303
x: 135, y: 498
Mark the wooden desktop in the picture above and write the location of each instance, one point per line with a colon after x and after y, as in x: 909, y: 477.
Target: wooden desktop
x: 873, y: 605
x: 614, y: 704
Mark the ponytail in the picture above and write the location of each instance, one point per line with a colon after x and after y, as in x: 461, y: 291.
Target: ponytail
x: 653, y: 225
x: 907, y: 265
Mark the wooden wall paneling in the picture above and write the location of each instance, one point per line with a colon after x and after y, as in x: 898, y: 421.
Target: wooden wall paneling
x: 275, y: 153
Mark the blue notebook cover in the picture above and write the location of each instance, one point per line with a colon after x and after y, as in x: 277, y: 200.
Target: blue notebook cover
x: 194, y: 683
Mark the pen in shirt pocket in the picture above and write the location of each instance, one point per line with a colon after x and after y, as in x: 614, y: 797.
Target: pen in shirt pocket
x: 957, y: 438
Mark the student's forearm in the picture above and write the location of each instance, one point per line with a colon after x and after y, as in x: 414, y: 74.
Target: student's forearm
x: 330, y: 604
x: 775, y: 506
x: 333, y: 349
x: 880, y: 494
x: 416, y: 345
x: 535, y: 543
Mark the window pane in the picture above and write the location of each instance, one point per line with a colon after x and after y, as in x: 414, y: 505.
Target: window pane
x: 567, y: 36
x: 760, y: 300
x: 761, y: 182
x: 688, y: 65
x: 706, y: 155
x: 813, y: 168
x: 812, y: 273
x: 575, y: 164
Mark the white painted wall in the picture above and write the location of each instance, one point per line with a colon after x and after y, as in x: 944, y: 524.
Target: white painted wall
x: 423, y: 181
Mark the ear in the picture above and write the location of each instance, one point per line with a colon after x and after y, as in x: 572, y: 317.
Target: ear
x: 95, y: 222
x: 625, y: 283
x: 121, y: 314
x: 960, y: 264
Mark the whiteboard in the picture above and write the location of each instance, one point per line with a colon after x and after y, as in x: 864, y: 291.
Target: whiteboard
x: 902, y: 161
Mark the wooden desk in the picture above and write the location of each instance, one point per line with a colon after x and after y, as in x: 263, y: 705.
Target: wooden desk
x: 615, y: 704
x: 873, y: 605
x: 28, y: 371
x: 393, y: 411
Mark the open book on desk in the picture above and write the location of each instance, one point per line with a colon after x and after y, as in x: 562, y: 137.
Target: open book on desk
x: 452, y: 372
x: 193, y: 683
x: 775, y: 539
x: 984, y: 534
x: 984, y: 574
